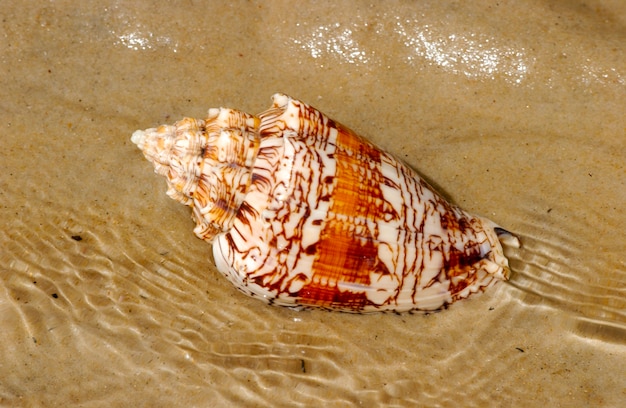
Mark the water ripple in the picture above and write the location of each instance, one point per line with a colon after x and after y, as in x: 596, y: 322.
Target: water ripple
x: 560, y: 270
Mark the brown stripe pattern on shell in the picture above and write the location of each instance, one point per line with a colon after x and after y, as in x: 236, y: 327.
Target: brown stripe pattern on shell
x: 303, y: 212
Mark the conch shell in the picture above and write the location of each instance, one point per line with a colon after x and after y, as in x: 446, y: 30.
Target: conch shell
x: 303, y: 212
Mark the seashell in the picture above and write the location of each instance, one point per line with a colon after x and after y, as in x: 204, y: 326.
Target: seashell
x: 303, y: 212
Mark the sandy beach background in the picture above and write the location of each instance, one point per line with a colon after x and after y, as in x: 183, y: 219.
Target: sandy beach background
x: 514, y: 109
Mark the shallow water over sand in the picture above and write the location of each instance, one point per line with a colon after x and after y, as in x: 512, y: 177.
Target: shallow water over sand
x: 513, y: 110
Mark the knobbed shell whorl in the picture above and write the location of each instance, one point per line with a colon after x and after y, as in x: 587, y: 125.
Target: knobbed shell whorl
x: 207, y: 164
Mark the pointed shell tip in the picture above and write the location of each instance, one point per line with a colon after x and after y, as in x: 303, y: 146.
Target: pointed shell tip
x: 138, y: 138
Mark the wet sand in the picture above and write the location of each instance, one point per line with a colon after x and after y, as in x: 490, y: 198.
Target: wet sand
x: 513, y: 110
